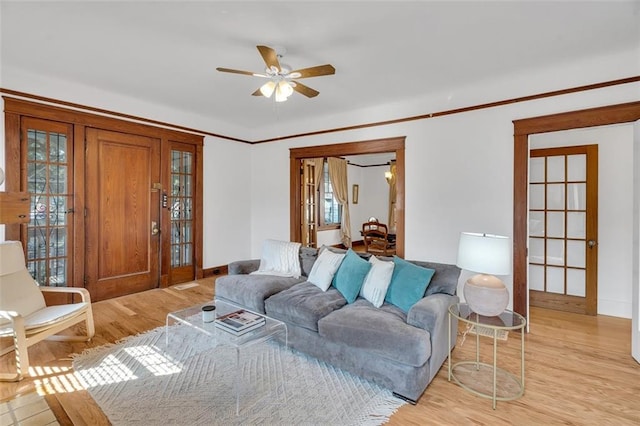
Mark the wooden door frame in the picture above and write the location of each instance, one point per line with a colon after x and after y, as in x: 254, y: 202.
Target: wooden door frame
x: 376, y: 146
x: 600, y: 116
x: 15, y: 109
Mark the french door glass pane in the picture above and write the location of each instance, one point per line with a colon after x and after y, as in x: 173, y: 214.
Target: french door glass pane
x: 577, y: 167
x: 181, y: 208
x: 48, y: 182
x: 536, y: 170
x: 555, y: 280
x: 555, y: 169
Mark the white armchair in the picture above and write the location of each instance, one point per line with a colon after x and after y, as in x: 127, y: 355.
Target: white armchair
x: 24, y: 314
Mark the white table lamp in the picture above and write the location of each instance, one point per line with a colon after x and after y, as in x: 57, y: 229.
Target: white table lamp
x: 488, y: 255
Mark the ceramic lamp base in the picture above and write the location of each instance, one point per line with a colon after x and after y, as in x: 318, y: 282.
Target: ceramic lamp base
x: 486, y: 295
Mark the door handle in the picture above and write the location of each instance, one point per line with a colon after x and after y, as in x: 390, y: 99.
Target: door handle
x: 154, y: 228
x: 591, y: 243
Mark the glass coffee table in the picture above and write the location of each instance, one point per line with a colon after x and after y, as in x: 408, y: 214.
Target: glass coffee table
x: 479, y: 378
x: 195, y: 318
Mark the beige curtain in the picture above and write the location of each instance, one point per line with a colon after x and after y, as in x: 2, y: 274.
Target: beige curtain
x: 392, y: 198
x: 338, y: 176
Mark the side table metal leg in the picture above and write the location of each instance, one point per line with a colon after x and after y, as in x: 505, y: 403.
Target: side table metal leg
x: 495, y: 364
x: 449, y: 358
x: 477, y: 326
x: 522, y: 359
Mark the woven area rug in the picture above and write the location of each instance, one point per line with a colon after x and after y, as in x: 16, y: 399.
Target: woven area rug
x: 142, y: 381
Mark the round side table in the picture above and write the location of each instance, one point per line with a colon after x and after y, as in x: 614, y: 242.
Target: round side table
x: 511, y: 386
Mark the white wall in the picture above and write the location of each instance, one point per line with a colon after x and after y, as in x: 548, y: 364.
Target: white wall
x: 227, y: 202
x: 615, y: 208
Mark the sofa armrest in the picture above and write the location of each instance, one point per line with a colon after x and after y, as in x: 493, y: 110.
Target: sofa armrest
x: 431, y: 311
x: 244, y: 266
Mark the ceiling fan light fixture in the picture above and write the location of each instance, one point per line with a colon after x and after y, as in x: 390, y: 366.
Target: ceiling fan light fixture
x: 283, y: 91
x: 268, y: 88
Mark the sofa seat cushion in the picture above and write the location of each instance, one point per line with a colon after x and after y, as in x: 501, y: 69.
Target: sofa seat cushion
x: 304, y: 305
x: 382, y: 331
x: 250, y: 291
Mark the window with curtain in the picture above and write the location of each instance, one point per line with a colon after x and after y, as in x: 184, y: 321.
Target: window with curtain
x: 330, y: 209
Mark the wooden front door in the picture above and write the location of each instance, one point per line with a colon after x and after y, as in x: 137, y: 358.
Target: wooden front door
x: 122, y: 213
x: 563, y: 228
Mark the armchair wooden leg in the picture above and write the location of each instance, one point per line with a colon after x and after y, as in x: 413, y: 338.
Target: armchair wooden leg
x: 22, y: 358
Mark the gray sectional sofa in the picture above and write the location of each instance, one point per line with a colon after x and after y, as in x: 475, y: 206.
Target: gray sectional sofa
x: 400, y: 351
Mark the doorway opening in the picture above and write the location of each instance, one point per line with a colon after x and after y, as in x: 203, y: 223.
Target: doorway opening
x: 297, y: 155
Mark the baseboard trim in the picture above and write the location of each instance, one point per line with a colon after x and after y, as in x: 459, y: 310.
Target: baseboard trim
x: 215, y: 271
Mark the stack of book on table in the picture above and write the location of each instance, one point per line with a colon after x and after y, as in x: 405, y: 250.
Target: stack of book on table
x: 240, y: 322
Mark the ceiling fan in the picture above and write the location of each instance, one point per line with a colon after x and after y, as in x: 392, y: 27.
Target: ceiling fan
x: 282, y: 80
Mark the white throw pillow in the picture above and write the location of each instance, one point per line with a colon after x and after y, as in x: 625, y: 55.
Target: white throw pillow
x: 324, y: 268
x: 376, y: 283
x: 280, y: 258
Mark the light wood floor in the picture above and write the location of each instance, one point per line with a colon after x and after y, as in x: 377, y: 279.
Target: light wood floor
x: 578, y: 369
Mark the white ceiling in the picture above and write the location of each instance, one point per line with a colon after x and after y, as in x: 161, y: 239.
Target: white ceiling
x: 166, y: 52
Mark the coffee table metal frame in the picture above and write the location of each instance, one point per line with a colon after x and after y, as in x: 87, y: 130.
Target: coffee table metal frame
x: 192, y: 317
x: 508, y: 320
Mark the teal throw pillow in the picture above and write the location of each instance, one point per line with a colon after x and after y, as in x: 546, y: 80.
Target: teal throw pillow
x: 408, y: 283
x: 350, y: 276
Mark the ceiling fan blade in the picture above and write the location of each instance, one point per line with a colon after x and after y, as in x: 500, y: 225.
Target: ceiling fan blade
x: 257, y: 93
x: 305, y: 90
x: 270, y: 57
x: 241, y: 72
x: 313, y: 71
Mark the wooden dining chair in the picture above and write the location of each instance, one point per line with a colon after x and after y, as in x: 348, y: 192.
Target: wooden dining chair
x: 375, y: 236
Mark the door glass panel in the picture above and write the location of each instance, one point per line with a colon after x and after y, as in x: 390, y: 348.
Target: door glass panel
x: 576, y: 224
x: 576, y: 254
x: 536, y: 170
x: 555, y: 252
x: 577, y: 196
x: 536, y: 250
x: 536, y: 224
x: 576, y: 284
x: 555, y: 196
x: 536, y: 197
x: 181, y: 208
x: 48, y: 182
x: 555, y: 169
x: 555, y: 224
x: 577, y: 167
x: 555, y: 280
x: 536, y: 277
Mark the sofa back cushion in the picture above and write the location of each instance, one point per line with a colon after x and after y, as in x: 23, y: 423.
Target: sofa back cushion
x: 445, y: 280
x: 308, y: 256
